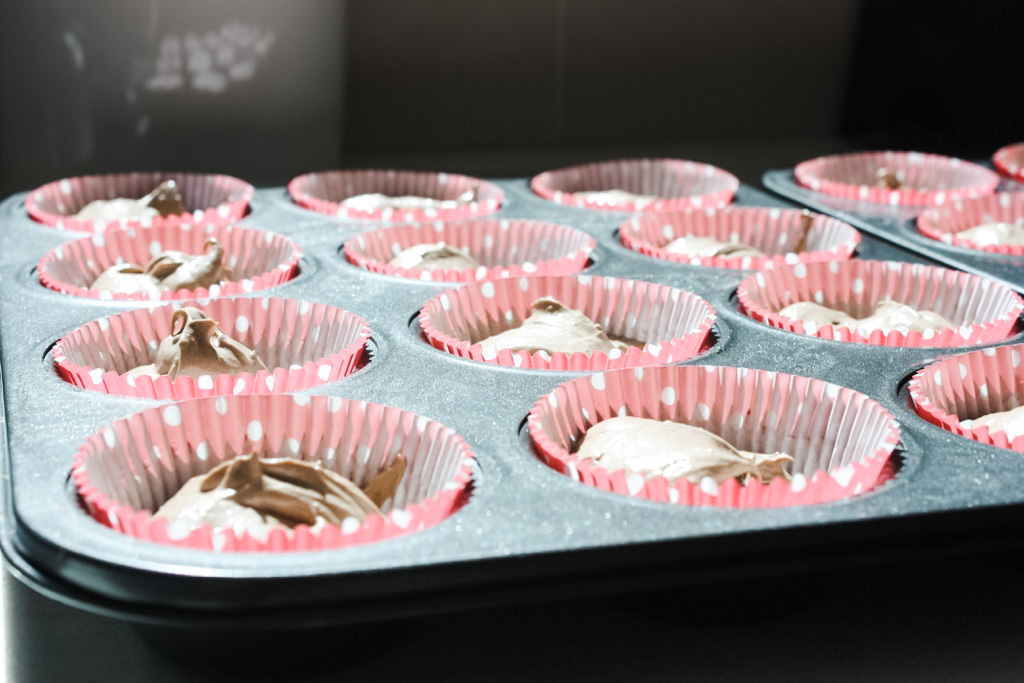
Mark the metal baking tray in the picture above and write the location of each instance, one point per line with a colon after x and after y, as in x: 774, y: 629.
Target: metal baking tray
x: 897, y: 225
x: 526, y: 531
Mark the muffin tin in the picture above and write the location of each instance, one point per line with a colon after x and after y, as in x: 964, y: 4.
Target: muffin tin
x: 525, y: 529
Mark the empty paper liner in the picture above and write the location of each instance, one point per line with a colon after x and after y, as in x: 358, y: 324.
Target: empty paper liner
x: 325, y: 191
x: 257, y: 259
x: 981, y: 310
x: 913, y: 178
x: 839, y: 439
x: 503, y: 248
x: 127, y: 470
x: 777, y: 233
x: 672, y: 184
x: 209, y: 198
x: 671, y: 324
x: 302, y: 343
x: 954, y: 390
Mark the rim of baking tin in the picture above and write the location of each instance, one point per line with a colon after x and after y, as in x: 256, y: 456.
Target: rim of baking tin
x: 859, y: 273
x: 238, y: 194
x: 473, y: 299
x: 95, y: 246
x: 648, y: 234
x: 818, y: 175
x: 491, y: 234
x: 185, y: 420
x: 303, y: 192
x: 962, y: 373
x: 941, y: 223
x: 558, y: 185
x: 240, y: 315
x: 1009, y: 161
x: 581, y: 403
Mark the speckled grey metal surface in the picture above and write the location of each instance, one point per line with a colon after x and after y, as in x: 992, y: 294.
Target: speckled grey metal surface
x: 525, y: 526
x: 898, y: 226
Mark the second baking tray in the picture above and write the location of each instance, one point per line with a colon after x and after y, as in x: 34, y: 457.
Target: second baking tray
x: 897, y: 225
x: 526, y: 529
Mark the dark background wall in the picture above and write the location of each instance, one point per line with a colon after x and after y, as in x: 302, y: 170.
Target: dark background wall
x: 266, y: 89
x: 593, y: 72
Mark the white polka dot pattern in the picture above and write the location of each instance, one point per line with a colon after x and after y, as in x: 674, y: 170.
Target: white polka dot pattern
x: 678, y: 184
x: 209, y: 198
x: 670, y: 323
x: 925, y: 179
x: 755, y: 410
x: 953, y: 391
x: 303, y: 344
x: 856, y: 286
x: 353, y: 438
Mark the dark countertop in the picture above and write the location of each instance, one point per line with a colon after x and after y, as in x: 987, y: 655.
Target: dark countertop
x: 933, y: 619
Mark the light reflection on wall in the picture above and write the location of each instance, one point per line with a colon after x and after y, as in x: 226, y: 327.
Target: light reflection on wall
x: 246, y: 87
x: 209, y: 62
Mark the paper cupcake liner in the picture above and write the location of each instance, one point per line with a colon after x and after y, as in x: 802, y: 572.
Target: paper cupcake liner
x: 504, y: 248
x: 258, y: 259
x: 672, y: 323
x: 925, y: 178
x: 126, y: 471
x: 942, y: 223
x: 680, y: 184
x: 839, y: 438
x: 303, y: 344
x: 969, y: 386
x: 775, y: 232
x: 324, y: 191
x: 983, y: 310
x: 210, y: 198
x: 1010, y: 161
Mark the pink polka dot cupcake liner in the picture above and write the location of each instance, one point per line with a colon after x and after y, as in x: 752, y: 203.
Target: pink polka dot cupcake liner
x: 1010, y: 161
x: 943, y: 223
x: 678, y: 184
x: 258, y: 259
x: 953, y: 391
x: 209, y: 198
x: 672, y: 324
x: 982, y: 310
x: 303, y: 344
x: 324, y: 192
x: 777, y: 233
x: 840, y: 439
x: 504, y: 248
x: 127, y: 470
x: 922, y: 178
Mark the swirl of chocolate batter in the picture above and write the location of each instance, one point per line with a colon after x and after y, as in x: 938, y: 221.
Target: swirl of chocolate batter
x: 168, y: 270
x: 615, y: 197
x: 888, y: 316
x: 887, y: 180
x: 165, y: 200
x: 990, y: 234
x: 553, y: 327
x: 254, y: 494
x: 375, y: 201
x: 126, y: 278
x: 197, y: 346
x: 675, y: 450
x: 695, y: 245
x: 1009, y: 421
x: 436, y: 256
x: 177, y: 270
